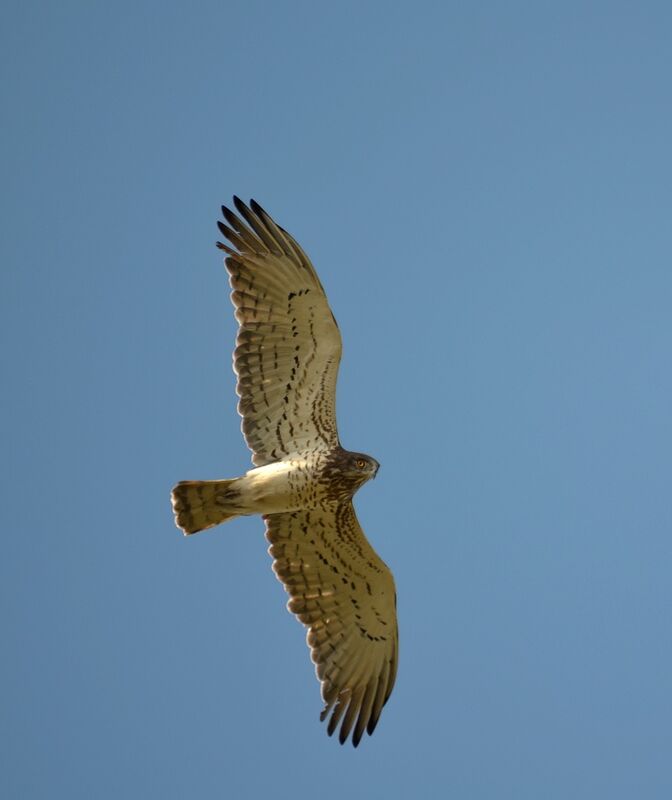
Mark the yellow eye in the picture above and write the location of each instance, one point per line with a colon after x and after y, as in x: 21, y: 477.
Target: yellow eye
x: 360, y: 463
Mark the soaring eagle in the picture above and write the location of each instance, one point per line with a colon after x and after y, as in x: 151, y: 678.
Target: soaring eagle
x: 286, y: 359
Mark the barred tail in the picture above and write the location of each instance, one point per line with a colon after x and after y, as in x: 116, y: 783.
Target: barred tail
x: 198, y: 505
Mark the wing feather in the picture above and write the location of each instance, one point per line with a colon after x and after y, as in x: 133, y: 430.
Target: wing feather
x: 365, y: 711
x: 288, y: 347
x: 344, y: 594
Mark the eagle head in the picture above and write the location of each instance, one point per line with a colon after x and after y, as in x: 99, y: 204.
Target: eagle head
x: 358, y: 468
x: 361, y: 465
x: 345, y: 472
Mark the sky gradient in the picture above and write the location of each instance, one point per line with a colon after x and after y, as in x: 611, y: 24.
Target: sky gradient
x: 485, y: 191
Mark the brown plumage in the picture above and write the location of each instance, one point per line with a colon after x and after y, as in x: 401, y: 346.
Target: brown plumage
x: 286, y: 358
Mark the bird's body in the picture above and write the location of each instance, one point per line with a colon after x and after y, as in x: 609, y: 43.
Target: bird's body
x: 291, y: 484
x: 287, y: 356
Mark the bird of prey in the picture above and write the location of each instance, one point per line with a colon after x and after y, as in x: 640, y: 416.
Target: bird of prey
x: 286, y: 360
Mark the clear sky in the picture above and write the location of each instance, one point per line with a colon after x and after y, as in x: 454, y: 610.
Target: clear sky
x: 486, y: 191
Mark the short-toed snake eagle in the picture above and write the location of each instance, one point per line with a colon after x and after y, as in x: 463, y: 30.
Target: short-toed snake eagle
x: 286, y: 358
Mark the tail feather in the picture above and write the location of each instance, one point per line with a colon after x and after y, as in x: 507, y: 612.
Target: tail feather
x: 199, y: 505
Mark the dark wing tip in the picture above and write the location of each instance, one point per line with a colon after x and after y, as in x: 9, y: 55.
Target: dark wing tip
x: 231, y: 218
x: 221, y: 245
x: 258, y: 210
x: 238, y: 203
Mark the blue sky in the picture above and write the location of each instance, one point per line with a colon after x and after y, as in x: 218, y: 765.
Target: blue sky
x: 485, y: 190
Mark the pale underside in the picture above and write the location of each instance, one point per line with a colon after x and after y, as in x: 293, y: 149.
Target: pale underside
x: 287, y: 354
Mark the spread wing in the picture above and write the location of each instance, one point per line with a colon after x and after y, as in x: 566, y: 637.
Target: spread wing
x: 342, y: 591
x: 288, y: 347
